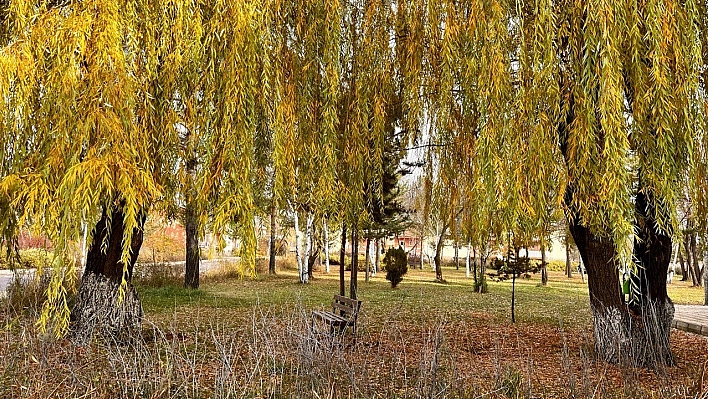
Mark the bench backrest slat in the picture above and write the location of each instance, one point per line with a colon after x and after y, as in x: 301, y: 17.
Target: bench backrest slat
x: 347, y: 307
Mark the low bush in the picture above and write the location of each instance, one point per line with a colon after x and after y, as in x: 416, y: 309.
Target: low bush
x: 396, y: 265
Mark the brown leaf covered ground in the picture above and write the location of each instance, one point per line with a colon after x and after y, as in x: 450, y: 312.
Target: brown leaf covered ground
x: 253, y: 338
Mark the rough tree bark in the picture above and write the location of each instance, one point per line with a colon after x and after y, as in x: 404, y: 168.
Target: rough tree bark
x: 636, y: 334
x: 99, y: 307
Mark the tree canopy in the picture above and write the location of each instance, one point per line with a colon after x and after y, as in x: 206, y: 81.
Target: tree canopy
x: 594, y: 107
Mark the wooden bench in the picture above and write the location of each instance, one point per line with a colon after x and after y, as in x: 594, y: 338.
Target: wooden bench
x: 344, y: 314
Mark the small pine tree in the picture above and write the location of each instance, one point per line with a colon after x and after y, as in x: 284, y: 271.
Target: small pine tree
x: 396, y: 264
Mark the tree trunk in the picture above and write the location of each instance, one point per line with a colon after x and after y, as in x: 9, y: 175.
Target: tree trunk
x: 99, y: 307
x: 457, y: 255
x: 689, y: 258
x: 544, y: 266
x: 342, y: 253
x: 366, y: 261
x: 639, y: 337
x: 513, y: 295
x: 684, y: 273
x: 326, y: 245
x: 467, y: 260
x: 271, y: 250
x: 298, y: 248
x: 438, y: 257
x: 705, y: 279
x: 378, y: 256
x: 191, y: 273
x: 309, y: 251
x: 696, y: 265
x: 568, y: 262
x: 355, y: 264
x: 421, y: 250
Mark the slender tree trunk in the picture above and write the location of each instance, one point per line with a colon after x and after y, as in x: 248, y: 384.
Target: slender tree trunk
x: 84, y: 234
x: 271, y: 250
x: 467, y: 260
x: 355, y: 264
x: 457, y: 255
x: 544, y: 266
x: 326, y: 246
x: 99, y: 308
x: 684, y: 273
x: 705, y: 279
x: 438, y: 256
x: 568, y: 262
x: 696, y: 265
x: 421, y: 250
x: 342, y: 253
x: 191, y: 275
x: 309, y: 252
x: 298, y: 248
x: 366, y: 261
x: 378, y: 256
x: 513, y: 296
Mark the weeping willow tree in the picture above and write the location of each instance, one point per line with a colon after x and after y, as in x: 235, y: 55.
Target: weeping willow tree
x: 92, y: 96
x: 592, y: 107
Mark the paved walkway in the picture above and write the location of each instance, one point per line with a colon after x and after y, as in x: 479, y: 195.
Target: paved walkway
x: 6, y: 276
x: 691, y: 318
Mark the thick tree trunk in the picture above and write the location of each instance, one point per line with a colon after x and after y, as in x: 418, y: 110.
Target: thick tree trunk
x: 342, y: 253
x: 99, y: 307
x: 355, y: 265
x: 544, y: 266
x: 639, y: 337
x: 271, y: 250
x: 326, y: 245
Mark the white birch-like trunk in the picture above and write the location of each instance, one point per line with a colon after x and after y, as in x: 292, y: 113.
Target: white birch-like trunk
x: 84, y: 228
x: 305, y: 276
x: 326, y: 246
x: 467, y: 260
x: 378, y: 253
x: 298, y: 246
